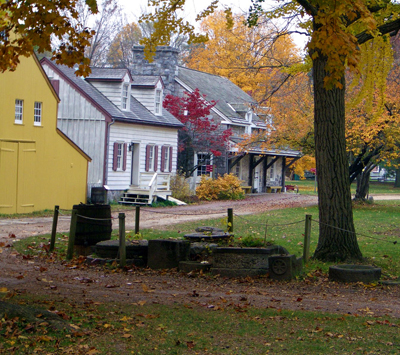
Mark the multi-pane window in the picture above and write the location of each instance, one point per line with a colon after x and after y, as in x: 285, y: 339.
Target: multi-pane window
x: 37, y: 114
x: 203, y: 164
x: 272, y: 172
x: 19, y: 110
x: 151, y: 158
x: 120, y: 156
x: 125, y: 96
x: 166, y: 159
x: 158, y: 102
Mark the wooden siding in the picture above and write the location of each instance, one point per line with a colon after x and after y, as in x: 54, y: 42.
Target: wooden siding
x: 145, y: 96
x: 82, y: 122
x: 144, y: 135
x: 89, y: 135
x: 112, y: 90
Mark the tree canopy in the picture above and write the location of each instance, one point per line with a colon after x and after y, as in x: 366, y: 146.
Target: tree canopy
x: 46, y: 25
x: 336, y: 30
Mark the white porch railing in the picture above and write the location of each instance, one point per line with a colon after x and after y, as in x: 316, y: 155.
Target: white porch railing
x: 160, y: 181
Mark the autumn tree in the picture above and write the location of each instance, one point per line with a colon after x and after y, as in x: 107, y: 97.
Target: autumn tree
x: 337, y: 29
x: 26, y: 25
x: 200, y: 133
x: 120, y: 51
x: 251, y: 58
x: 105, y: 23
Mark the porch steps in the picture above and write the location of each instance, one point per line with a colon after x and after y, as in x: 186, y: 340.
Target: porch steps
x: 129, y: 198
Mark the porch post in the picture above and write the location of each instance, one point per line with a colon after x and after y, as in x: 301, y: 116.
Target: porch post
x: 264, y: 183
x: 251, y: 158
x: 283, y: 172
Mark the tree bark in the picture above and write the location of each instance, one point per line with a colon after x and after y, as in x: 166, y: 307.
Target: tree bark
x: 397, y: 181
x: 337, y: 239
x: 362, y: 189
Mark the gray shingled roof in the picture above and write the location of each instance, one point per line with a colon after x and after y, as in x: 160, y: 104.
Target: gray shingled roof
x: 107, y: 74
x: 227, y: 95
x: 257, y: 149
x: 145, y: 80
x: 138, y: 113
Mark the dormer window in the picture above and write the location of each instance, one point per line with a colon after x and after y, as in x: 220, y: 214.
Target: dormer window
x: 125, y: 96
x: 158, y: 102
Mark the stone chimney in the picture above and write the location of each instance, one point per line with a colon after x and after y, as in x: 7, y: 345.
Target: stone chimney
x: 165, y: 64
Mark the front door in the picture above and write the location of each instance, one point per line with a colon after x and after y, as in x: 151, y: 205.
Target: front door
x: 135, y: 161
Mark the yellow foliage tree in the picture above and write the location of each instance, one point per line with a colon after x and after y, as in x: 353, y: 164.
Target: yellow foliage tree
x: 47, y: 26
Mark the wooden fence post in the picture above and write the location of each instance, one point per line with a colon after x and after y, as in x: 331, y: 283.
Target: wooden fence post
x: 122, y: 245
x: 72, y: 231
x: 54, y: 228
x: 137, y: 220
x: 307, y: 238
x: 230, y: 220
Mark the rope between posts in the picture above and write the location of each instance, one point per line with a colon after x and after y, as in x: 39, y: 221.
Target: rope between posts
x: 269, y: 225
x: 95, y: 219
x: 355, y: 233
x: 184, y: 214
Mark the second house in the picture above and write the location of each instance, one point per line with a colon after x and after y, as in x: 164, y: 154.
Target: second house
x: 133, y: 144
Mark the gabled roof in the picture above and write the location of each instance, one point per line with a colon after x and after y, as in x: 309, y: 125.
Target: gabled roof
x: 148, y: 81
x: 231, y: 100
x: 108, y: 74
x: 256, y: 148
x: 137, y: 114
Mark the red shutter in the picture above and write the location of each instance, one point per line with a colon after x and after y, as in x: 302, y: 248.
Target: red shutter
x: 56, y: 85
x: 115, y: 156
x: 163, y: 158
x: 171, y: 149
x: 147, y: 167
x: 155, y: 158
x: 124, y: 161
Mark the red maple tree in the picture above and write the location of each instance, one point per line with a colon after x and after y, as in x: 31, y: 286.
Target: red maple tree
x: 200, y: 132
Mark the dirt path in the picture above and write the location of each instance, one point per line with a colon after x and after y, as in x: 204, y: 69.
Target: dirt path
x: 81, y: 283
x: 160, y: 217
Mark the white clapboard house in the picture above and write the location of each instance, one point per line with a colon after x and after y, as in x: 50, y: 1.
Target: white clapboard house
x: 261, y: 170
x: 120, y: 123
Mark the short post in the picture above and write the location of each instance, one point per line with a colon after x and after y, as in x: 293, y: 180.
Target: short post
x: 230, y: 220
x: 307, y: 238
x: 122, y: 245
x: 54, y: 228
x: 137, y: 220
x: 72, y: 231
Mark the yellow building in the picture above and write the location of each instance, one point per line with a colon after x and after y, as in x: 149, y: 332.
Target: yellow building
x: 39, y: 166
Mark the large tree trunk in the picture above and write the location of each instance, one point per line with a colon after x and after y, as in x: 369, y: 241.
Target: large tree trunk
x: 397, y: 181
x: 337, y: 240
x: 362, y: 189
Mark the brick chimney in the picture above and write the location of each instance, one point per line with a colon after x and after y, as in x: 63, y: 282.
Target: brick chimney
x: 165, y: 64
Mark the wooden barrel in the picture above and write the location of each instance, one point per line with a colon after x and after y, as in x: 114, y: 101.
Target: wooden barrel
x: 93, y: 224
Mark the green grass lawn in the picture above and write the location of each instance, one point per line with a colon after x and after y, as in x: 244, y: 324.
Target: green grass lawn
x: 110, y: 328
x: 239, y: 328
x: 307, y: 187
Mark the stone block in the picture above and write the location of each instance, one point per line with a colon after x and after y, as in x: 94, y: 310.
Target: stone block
x: 284, y: 267
x: 166, y: 254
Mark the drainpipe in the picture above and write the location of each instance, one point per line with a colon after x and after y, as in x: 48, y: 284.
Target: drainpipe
x: 106, y: 150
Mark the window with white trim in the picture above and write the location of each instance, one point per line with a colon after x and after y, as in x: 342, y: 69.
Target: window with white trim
x: 19, y: 111
x: 272, y: 172
x: 203, y: 164
x: 37, y: 114
x: 151, y: 158
x: 158, y: 102
x: 125, y: 96
x: 120, y: 156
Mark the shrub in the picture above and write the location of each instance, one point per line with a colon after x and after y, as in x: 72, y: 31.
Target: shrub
x: 225, y: 187
x: 180, y: 188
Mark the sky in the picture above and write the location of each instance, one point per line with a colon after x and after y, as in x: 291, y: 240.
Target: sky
x: 134, y: 8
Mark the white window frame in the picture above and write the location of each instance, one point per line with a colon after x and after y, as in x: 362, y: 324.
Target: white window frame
x: 151, y: 158
x: 201, y: 169
x: 125, y: 97
x: 166, y: 158
x: 37, y: 113
x: 120, y: 156
x: 272, y: 172
x: 19, y: 111
x: 158, y: 102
